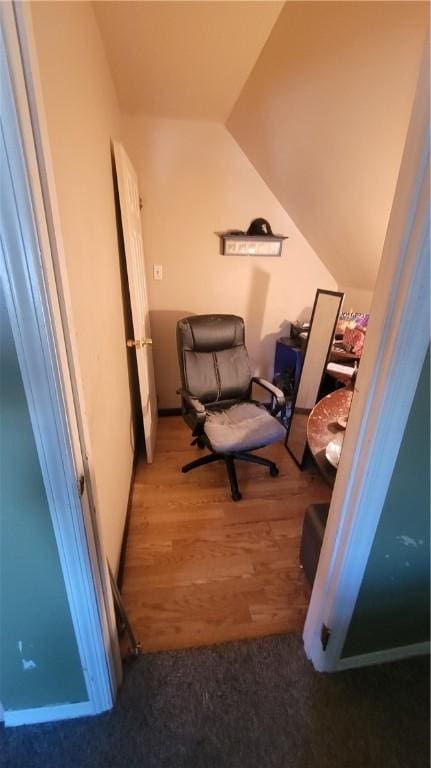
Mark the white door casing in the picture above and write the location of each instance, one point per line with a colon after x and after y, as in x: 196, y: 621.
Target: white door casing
x: 397, y: 341
x: 31, y: 295
x: 134, y: 249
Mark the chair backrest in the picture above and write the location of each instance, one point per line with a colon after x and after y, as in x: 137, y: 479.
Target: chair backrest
x: 213, y: 359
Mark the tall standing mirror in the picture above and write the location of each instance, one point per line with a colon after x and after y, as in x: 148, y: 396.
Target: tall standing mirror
x: 326, y: 309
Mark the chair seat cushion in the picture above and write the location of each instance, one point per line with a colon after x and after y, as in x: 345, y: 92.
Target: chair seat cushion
x: 242, y: 427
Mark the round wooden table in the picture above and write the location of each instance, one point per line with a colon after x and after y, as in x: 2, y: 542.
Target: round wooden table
x: 322, y: 427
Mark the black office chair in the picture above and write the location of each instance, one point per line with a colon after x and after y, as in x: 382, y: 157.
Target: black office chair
x: 216, y: 395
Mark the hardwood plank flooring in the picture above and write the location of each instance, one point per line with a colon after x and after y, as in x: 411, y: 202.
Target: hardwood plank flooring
x: 202, y: 569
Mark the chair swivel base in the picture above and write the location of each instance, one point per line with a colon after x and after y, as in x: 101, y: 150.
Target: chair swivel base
x: 228, y: 459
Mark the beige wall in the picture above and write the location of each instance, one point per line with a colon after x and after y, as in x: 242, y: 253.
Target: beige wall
x: 323, y: 117
x: 82, y: 116
x: 195, y: 181
x: 356, y: 300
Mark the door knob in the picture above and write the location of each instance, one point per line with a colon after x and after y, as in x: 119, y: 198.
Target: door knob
x: 139, y: 343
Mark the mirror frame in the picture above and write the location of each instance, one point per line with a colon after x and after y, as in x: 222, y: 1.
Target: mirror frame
x: 319, y: 292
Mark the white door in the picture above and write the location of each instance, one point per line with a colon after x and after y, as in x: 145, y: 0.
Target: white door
x: 133, y: 245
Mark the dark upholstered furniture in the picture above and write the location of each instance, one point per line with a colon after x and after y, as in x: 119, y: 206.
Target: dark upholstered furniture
x: 313, y: 530
x: 216, y: 384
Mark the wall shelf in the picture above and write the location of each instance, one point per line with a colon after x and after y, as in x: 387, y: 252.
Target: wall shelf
x: 251, y: 245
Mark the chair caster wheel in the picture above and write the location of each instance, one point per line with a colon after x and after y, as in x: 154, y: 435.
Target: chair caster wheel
x: 236, y: 496
x: 197, y: 441
x: 273, y: 471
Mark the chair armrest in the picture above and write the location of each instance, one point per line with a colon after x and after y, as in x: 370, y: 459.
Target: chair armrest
x: 277, y: 394
x: 195, y: 405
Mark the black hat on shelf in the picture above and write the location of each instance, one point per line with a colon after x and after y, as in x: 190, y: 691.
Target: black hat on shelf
x: 259, y: 227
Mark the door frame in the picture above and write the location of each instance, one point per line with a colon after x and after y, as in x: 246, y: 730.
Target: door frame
x: 400, y: 286
x: 46, y: 293
x: 397, y: 340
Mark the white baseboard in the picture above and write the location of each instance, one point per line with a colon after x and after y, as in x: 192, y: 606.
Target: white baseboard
x: 381, y: 657
x: 13, y: 717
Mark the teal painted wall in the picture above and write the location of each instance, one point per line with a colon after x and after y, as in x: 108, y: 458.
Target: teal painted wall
x: 35, y: 618
x: 393, y: 605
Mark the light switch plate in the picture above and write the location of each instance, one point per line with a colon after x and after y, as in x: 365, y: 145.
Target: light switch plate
x: 157, y: 272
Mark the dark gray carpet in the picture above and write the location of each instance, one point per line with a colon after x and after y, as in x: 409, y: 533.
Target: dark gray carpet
x: 253, y: 704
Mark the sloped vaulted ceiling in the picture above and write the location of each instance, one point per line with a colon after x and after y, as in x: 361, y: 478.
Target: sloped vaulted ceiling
x: 183, y: 59
x: 324, y: 116
x: 317, y: 94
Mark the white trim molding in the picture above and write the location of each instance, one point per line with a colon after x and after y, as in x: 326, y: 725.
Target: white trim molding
x: 13, y: 718
x: 397, y: 340
x: 385, y: 656
x: 53, y: 259
x: 31, y: 297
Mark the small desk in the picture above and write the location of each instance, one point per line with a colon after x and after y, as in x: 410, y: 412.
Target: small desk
x: 322, y: 427
x: 288, y: 356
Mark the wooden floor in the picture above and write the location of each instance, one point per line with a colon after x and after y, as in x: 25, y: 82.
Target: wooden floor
x: 203, y: 569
